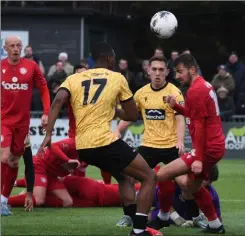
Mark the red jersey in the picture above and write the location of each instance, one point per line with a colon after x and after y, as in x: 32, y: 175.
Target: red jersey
x: 203, y: 119
x: 72, y: 123
x: 16, y: 91
x: 56, y: 156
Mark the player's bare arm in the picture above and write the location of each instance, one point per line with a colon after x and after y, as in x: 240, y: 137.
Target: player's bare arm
x: 122, y: 126
x: 61, y: 98
x: 180, y: 122
x: 41, y: 84
x: 128, y: 112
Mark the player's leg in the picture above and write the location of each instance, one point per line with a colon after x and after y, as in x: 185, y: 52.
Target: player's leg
x: 118, y: 158
x: 192, y: 210
x: 40, y: 188
x: 203, y: 200
x: 128, y: 199
x: 20, y: 183
x: 58, y: 189
x: 6, y: 140
x: 166, y: 188
x: 106, y: 177
x: 17, y: 149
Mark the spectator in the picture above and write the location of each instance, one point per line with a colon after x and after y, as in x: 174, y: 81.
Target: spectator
x: 223, y: 79
x: 237, y: 70
x: 63, y: 57
x: 226, y: 104
x: 240, y: 105
x: 57, y: 78
x: 123, y: 69
x: 29, y: 55
x: 171, y: 75
x: 159, y: 52
x: 79, y: 68
x: 90, y: 62
x: 85, y: 64
x: 142, y: 78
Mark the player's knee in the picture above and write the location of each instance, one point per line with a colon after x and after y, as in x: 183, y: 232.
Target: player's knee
x: 5, y: 156
x: 39, y: 201
x: 151, y: 177
x: 68, y: 202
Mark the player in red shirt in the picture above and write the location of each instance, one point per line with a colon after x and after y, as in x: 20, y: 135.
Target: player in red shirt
x: 18, y: 78
x: 202, y: 116
x: 58, y: 161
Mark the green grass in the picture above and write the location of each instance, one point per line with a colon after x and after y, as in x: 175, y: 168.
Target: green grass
x: 101, y: 221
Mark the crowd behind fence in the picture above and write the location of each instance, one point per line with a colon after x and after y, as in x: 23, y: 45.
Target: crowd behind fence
x: 228, y: 82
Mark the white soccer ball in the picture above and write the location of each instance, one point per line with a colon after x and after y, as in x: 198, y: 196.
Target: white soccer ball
x: 164, y: 24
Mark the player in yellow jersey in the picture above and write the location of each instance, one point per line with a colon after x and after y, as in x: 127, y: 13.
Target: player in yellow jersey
x: 163, y: 136
x: 93, y: 95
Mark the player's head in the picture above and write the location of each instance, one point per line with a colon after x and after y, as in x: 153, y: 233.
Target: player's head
x: 186, y: 68
x: 13, y: 46
x: 213, y: 176
x: 104, y: 56
x: 158, y: 70
x: 79, y: 69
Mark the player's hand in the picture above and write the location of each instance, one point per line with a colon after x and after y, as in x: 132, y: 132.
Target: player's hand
x: 196, y: 167
x: 117, y: 133
x: 171, y: 100
x: 181, y: 147
x: 44, y: 121
x: 46, y: 143
x: 73, y: 163
x: 28, y: 202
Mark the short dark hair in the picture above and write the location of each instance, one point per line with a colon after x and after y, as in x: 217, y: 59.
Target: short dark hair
x: 28, y: 46
x: 174, y: 51
x: 162, y: 59
x: 214, y: 174
x: 101, y: 50
x: 76, y: 67
x: 159, y: 48
x: 187, y: 60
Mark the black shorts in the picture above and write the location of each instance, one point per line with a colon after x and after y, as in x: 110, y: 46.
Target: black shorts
x: 154, y: 156
x: 113, y: 158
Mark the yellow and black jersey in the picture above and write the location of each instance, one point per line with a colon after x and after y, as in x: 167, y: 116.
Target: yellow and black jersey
x: 159, y: 118
x: 93, y: 97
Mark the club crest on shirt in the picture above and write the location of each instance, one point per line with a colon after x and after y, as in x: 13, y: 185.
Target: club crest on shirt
x: 2, y: 138
x: 14, y: 79
x: 3, y: 70
x: 43, y: 180
x: 23, y: 70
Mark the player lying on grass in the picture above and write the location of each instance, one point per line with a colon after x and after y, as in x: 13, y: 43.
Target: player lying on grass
x: 202, y: 115
x: 86, y: 192
x: 51, y: 164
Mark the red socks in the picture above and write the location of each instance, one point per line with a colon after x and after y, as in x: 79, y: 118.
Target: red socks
x: 165, y: 195
x: 106, y: 177
x: 20, y: 183
x: 4, y: 168
x: 9, y: 179
x: 205, y: 204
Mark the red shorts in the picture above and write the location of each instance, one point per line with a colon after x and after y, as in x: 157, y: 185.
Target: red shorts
x: 207, y: 164
x: 46, y: 180
x: 14, y: 137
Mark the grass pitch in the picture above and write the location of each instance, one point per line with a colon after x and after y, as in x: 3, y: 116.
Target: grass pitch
x: 101, y: 221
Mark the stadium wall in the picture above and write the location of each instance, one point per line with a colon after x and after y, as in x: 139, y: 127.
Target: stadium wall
x: 234, y: 134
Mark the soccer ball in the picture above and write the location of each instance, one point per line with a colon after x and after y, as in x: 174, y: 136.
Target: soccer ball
x: 163, y: 24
